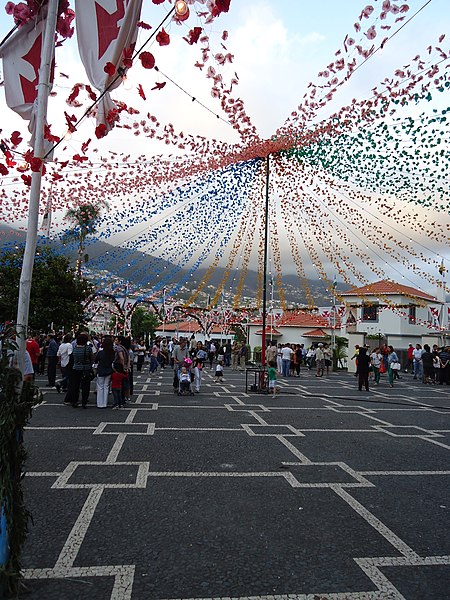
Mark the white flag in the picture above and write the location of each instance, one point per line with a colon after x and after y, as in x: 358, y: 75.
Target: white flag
x: 104, y: 29
x: 21, y: 56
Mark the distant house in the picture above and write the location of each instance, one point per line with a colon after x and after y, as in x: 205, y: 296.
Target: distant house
x: 400, y: 313
x: 192, y: 328
x: 296, y: 327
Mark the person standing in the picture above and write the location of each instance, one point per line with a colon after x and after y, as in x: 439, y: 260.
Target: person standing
x: 417, y: 362
x: 154, y: 353
x: 79, y: 375
x: 64, y: 353
x: 320, y: 360
x: 444, y: 371
x: 271, y: 353
x: 298, y: 355
x: 139, y: 349
x: 117, y: 378
x: 427, y: 364
x: 200, y: 357
x: 211, y: 354
x: 34, y: 350
x: 279, y: 359
x: 409, y: 359
x: 228, y: 354
x: 52, y: 359
x: 391, y: 358
x: 375, y: 360
x: 243, y: 356
x: 272, y: 375
x: 104, y: 360
x: 286, y: 357
x: 363, y: 369
x: 219, y: 372
x: 180, y: 352
x: 327, y: 358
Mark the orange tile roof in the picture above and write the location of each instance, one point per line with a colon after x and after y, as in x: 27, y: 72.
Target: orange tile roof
x: 316, y: 333
x: 388, y: 288
x: 299, y: 319
x: 269, y: 331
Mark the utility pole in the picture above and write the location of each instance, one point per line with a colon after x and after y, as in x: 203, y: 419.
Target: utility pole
x: 264, y: 291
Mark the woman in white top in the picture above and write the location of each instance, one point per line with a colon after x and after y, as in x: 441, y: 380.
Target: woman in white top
x: 279, y: 360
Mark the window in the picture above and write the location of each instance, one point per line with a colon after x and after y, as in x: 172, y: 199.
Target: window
x: 412, y: 314
x: 370, y: 312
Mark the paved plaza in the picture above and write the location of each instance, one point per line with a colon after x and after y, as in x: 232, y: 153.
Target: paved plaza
x: 322, y: 493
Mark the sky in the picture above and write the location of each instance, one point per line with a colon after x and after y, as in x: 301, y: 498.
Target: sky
x: 278, y: 47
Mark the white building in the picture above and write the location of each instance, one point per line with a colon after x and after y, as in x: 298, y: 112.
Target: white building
x: 397, y: 313
x: 297, y: 327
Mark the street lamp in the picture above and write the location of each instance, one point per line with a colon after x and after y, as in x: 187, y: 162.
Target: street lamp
x: 181, y: 10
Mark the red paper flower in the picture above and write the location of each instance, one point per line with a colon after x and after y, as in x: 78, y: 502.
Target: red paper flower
x: 49, y: 135
x: 141, y: 92
x: 3, y: 170
x: 157, y: 1
x: 109, y: 68
x: 144, y: 25
x: 159, y: 86
x: 163, y: 38
x: 26, y: 179
x: 147, y: 60
x: 100, y: 131
x: 220, y: 7
x: 193, y: 35
x: 35, y: 164
x: 15, y: 138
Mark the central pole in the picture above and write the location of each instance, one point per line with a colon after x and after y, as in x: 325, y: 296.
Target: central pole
x: 266, y: 245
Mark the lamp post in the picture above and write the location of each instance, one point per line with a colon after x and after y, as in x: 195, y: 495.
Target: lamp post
x: 164, y: 312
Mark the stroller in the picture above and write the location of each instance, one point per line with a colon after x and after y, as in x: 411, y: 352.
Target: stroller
x: 185, y: 377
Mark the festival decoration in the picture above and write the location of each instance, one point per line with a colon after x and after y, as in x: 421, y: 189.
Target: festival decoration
x: 357, y: 194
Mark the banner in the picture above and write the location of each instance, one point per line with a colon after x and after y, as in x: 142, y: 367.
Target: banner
x: 434, y: 316
x: 21, y: 56
x: 105, y: 28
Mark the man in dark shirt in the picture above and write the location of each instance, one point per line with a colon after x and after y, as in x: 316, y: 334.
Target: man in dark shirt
x: 363, y: 369
x: 52, y: 359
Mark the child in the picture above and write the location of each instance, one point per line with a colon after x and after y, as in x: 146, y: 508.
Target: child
x: 219, y: 372
x: 185, y: 379
x: 272, y: 373
x: 117, y: 379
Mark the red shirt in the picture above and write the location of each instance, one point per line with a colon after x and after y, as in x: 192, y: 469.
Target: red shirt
x: 116, y: 380
x: 33, y: 350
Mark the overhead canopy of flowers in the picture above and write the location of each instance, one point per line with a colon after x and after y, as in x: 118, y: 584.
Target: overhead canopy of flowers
x: 356, y: 194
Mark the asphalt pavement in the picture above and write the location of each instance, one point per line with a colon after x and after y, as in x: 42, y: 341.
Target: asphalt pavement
x: 323, y: 492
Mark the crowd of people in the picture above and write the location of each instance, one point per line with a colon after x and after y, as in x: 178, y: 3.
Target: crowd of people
x: 429, y: 365
x: 111, y: 361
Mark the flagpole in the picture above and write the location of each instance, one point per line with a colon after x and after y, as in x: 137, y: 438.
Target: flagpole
x: 333, y: 333
x: 47, y: 54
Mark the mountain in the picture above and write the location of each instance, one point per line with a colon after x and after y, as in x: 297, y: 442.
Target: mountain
x: 114, y: 263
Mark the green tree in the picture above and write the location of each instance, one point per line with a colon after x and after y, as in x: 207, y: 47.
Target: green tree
x: 84, y: 219
x: 144, y: 323
x: 57, y: 295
